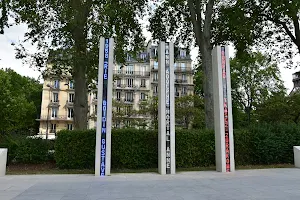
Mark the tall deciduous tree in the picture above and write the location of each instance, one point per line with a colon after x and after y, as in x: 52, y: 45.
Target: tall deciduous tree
x: 268, y: 24
x: 20, y: 99
x: 255, y: 78
x: 70, y: 31
x: 188, y: 21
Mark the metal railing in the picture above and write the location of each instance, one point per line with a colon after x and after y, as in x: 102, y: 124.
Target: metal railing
x: 131, y: 73
x: 57, y: 117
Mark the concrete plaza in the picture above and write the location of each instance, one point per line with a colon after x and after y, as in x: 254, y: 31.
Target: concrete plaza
x: 244, y: 184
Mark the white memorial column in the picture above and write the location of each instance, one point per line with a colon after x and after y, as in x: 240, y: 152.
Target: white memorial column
x: 104, y: 108
x: 223, y: 110
x: 166, y: 109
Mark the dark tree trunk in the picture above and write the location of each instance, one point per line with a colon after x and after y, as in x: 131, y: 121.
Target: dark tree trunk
x: 208, y: 86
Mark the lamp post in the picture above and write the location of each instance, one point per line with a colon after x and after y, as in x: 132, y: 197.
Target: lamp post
x: 47, y: 129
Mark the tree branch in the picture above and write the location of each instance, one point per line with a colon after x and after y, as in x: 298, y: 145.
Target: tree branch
x: 196, y: 25
x: 208, y: 19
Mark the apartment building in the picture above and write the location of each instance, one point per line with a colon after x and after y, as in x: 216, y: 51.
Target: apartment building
x: 134, y: 83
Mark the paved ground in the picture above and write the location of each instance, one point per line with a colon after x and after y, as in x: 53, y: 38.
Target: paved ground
x: 246, y: 184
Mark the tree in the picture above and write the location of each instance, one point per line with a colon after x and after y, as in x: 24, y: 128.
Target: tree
x: 187, y: 111
x: 280, y: 109
x: 187, y: 21
x: 66, y: 34
x: 20, y: 99
x: 254, y: 79
x: 267, y: 24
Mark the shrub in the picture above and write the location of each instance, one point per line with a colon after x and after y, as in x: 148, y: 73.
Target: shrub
x: 32, y: 151
x: 25, y: 150
x: 138, y: 149
x: 75, y: 149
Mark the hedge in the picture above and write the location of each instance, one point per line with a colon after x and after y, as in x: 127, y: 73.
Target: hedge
x: 22, y: 149
x: 137, y: 149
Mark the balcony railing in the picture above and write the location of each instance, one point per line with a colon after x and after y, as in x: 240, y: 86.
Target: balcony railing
x: 69, y: 103
x: 57, y: 118
x: 180, y: 81
x: 129, y: 100
x: 131, y: 73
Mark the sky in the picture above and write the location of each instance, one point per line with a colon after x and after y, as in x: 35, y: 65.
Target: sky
x: 16, y: 33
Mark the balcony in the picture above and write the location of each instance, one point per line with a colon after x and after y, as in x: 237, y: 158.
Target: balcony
x: 183, y: 70
x: 55, y: 118
x: 130, y: 101
x: 54, y: 103
x: 180, y: 81
x: 69, y: 103
x: 125, y: 87
x: 131, y: 73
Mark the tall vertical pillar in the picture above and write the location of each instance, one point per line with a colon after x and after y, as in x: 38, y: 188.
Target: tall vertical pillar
x: 104, y: 108
x: 166, y: 109
x: 223, y: 110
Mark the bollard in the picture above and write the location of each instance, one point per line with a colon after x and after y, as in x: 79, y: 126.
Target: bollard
x: 3, y: 159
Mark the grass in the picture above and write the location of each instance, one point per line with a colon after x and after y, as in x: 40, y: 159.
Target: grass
x: 49, y: 168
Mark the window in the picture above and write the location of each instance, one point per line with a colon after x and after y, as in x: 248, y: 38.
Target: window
x: 143, y: 70
x: 143, y: 96
x: 118, y: 124
x: 182, y: 53
x: 95, y: 109
x: 118, y: 83
x: 56, y: 84
x: 95, y: 95
x: 183, y: 78
x: 128, y: 57
x: 128, y: 123
x: 155, y: 89
x: 155, y: 63
x: 143, y: 56
x: 184, y: 91
x: 71, y: 97
x: 53, y: 128
x: 118, y: 96
x: 128, y: 110
x: 71, y: 84
x: 55, y: 97
x: 129, y: 69
x: 70, y: 127
x: 54, y: 113
x: 183, y: 67
x: 155, y: 76
x: 118, y: 109
x: 143, y: 82
x: 119, y: 69
x: 175, y: 65
x: 70, y: 113
x: 130, y: 82
x: 129, y: 96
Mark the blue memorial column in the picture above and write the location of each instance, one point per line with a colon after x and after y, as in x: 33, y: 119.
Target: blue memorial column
x: 104, y: 112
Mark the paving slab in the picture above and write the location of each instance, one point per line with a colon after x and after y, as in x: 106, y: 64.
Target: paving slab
x: 209, y: 185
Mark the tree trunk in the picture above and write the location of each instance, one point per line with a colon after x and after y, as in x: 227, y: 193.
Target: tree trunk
x: 208, y: 86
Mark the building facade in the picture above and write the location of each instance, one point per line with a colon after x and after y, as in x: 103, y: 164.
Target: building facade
x: 134, y: 84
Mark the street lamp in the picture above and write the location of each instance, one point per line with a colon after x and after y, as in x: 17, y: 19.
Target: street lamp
x: 47, y: 129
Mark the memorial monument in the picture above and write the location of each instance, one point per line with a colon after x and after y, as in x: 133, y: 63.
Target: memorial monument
x: 104, y: 112
x: 223, y: 110
x: 166, y: 109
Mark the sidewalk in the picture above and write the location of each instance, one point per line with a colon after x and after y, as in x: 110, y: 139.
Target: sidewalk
x: 241, y: 185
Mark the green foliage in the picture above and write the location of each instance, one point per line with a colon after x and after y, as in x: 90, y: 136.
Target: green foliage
x: 20, y: 99
x: 134, y: 149
x: 32, y: 151
x: 266, y: 144
x: 22, y: 149
x: 267, y: 24
x: 75, y: 149
x: 195, y: 148
x: 189, y: 111
x: 255, y: 78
